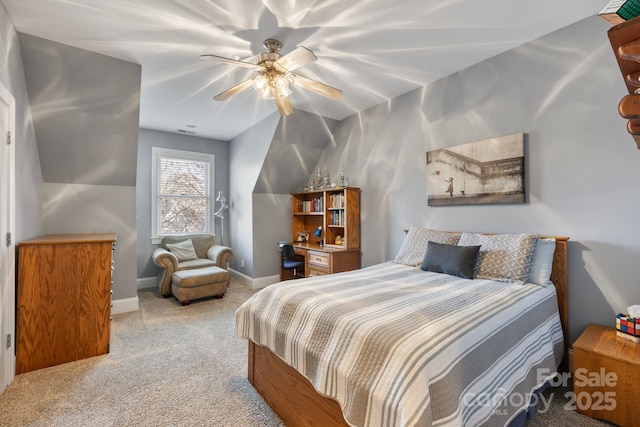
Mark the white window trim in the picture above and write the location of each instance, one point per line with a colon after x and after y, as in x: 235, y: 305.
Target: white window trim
x: 156, y: 154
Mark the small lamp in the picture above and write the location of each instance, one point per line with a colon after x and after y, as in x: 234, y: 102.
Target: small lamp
x: 318, y: 233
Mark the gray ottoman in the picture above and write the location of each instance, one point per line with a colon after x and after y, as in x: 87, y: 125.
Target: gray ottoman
x: 189, y: 285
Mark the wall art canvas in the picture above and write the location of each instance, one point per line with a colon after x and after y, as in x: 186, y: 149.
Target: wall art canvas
x: 490, y: 171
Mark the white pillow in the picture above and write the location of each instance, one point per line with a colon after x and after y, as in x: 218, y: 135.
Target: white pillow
x: 542, y: 262
x: 503, y: 257
x: 184, y: 250
x: 414, y: 245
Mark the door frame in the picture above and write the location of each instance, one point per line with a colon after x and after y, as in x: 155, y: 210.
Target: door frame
x: 8, y: 295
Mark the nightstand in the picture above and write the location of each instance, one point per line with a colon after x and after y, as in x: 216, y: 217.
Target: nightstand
x: 606, y: 376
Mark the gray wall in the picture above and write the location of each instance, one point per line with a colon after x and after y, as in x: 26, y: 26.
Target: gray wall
x: 583, y: 168
x: 271, y: 223
x: 269, y: 161
x: 247, y: 152
x: 28, y: 173
x: 297, y: 144
x: 151, y: 138
x: 85, y: 112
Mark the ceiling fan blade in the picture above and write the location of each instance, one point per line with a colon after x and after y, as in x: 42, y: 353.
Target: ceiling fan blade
x: 232, y: 91
x: 317, y: 87
x: 296, y: 58
x: 283, y: 103
x: 230, y: 61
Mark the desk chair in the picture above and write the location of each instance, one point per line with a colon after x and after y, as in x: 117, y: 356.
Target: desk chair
x: 290, y: 261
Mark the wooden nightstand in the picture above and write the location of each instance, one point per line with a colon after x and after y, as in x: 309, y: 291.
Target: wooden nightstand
x: 606, y: 376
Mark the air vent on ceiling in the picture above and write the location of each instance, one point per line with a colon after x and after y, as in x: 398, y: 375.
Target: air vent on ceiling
x: 188, y: 132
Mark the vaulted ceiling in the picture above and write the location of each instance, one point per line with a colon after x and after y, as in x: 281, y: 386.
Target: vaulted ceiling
x: 374, y: 50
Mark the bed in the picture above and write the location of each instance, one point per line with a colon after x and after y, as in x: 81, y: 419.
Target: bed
x: 394, y: 345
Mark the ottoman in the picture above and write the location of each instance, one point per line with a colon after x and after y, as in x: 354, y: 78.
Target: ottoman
x: 189, y: 285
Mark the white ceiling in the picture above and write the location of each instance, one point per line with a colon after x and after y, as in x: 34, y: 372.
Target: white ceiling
x: 374, y: 50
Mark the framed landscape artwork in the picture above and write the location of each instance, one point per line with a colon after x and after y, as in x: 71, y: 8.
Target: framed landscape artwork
x: 490, y: 171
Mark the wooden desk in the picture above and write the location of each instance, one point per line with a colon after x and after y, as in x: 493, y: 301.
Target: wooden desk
x: 606, y: 372
x: 321, y: 260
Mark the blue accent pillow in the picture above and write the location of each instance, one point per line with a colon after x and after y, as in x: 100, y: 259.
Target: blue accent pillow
x: 451, y: 259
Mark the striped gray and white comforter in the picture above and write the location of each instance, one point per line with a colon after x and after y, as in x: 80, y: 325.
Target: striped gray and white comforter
x: 397, y: 346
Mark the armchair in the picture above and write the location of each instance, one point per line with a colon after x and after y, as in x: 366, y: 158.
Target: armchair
x: 208, y: 255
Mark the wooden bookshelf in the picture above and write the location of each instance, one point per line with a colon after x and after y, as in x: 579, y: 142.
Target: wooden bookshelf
x: 337, y: 211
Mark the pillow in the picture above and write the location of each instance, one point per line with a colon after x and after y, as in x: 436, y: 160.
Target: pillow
x: 502, y: 257
x: 542, y: 262
x: 451, y: 259
x: 184, y: 250
x: 414, y: 245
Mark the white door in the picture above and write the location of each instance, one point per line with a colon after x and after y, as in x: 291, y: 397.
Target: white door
x: 7, y: 244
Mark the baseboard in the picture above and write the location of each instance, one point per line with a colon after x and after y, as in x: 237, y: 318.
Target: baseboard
x: 254, y: 283
x: 147, y: 282
x: 125, y: 305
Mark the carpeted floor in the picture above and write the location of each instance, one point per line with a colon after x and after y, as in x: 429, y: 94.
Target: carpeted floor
x: 169, y: 366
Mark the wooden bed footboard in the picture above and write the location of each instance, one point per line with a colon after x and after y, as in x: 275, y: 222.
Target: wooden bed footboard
x: 297, y: 403
x: 289, y: 393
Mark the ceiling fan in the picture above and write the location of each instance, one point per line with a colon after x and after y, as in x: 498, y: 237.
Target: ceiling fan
x: 275, y: 75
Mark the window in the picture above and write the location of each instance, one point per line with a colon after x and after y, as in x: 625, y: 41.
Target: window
x: 181, y: 199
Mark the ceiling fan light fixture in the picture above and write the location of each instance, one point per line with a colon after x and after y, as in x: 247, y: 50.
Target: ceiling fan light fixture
x: 260, y: 83
x: 271, y: 82
x: 275, y: 77
x: 282, y: 83
x: 267, y: 93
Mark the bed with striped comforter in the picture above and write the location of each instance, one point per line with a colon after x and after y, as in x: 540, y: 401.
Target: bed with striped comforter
x: 398, y: 346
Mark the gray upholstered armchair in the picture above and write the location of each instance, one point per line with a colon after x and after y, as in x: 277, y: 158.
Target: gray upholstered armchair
x: 207, y: 252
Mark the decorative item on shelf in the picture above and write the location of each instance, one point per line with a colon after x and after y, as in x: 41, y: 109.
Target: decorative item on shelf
x: 342, y: 179
x: 325, y: 179
x: 319, y: 181
x: 338, y: 240
x: 303, y: 236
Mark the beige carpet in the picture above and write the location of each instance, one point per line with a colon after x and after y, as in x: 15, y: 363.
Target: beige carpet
x: 169, y: 366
